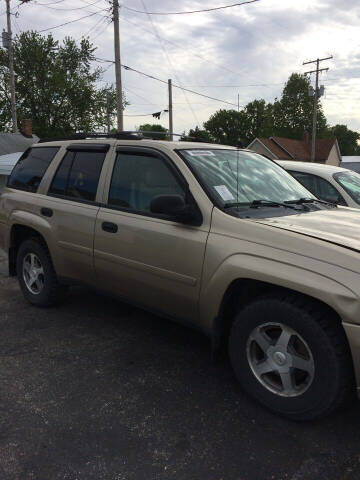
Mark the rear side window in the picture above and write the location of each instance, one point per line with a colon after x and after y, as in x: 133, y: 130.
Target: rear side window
x: 78, y: 176
x: 30, y: 169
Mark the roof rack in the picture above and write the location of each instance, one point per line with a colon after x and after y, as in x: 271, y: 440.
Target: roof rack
x: 128, y: 135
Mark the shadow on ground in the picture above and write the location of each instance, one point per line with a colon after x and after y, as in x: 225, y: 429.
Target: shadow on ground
x: 95, y: 389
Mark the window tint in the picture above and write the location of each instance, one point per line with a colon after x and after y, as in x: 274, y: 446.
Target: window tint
x: 30, y: 169
x: 78, y: 175
x: 320, y: 187
x: 307, y: 180
x: 59, y: 182
x: 137, y: 179
x: 328, y: 192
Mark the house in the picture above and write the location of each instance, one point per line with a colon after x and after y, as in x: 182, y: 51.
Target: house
x: 12, y: 145
x: 278, y: 148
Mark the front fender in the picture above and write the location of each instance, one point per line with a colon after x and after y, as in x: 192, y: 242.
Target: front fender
x: 304, y: 275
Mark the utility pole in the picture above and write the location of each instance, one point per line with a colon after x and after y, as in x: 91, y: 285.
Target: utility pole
x: 238, y: 102
x: 119, y: 96
x: 108, y: 111
x: 316, y: 97
x: 171, y: 125
x: 11, y: 69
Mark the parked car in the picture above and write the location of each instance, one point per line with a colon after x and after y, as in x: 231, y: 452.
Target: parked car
x: 7, y: 163
x: 351, y: 162
x: 219, y: 238
x: 332, y: 184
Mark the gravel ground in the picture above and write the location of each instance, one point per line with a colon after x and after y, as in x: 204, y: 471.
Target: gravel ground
x: 95, y: 389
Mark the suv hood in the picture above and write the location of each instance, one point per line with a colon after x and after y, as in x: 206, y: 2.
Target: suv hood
x: 340, y: 225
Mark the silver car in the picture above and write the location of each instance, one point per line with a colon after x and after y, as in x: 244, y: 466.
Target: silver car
x: 327, y: 182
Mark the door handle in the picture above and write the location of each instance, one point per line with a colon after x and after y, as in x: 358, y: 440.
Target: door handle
x: 109, y: 227
x: 47, y: 212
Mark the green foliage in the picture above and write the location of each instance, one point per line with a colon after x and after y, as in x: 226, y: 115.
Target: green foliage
x: 196, y: 135
x: 347, y: 139
x: 55, y: 86
x: 257, y: 121
x: 290, y: 116
x: 293, y: 113
x: 147, y: 127
x: 224, y: 126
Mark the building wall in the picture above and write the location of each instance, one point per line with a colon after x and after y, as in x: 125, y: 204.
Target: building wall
x: 333, y: 158
x: 259, y: 148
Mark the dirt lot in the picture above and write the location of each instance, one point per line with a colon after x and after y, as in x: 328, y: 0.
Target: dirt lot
x: 95, y: 389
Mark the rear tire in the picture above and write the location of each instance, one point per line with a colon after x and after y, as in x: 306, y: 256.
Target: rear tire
x: 36, y: 274
x: 291, y: 354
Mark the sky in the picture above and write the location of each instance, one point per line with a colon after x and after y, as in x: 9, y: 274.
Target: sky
x: 248, y: 50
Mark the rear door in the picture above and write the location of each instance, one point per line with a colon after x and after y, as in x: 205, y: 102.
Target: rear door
x: 71, y: 208
x: 147, y: 258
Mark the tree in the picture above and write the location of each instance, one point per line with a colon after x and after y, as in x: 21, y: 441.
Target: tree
x: 55, y: 86
x: 257, y: 121
x: 293, y: 113
x: 347, y: 139
x: 225, y: 126
x: 147, y: 127
x: 196, y: 135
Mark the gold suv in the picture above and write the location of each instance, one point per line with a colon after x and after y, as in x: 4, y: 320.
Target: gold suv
x: 222, y: 239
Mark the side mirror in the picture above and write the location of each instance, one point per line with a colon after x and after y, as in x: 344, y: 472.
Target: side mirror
x: 174, y: 206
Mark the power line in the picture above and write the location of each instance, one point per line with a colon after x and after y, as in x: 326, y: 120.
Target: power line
x: 167, y: 56
x: 126, y: 67
x: 236, y: 86
x: 68, y: 9
x: 94, y: 27
x: 192, y: 11
x: 196, y: 54
x: 67, y: 23
x: 177, y: 86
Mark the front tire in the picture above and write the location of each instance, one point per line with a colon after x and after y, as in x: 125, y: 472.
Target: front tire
x: 291, y: 355
x: 36, y: 274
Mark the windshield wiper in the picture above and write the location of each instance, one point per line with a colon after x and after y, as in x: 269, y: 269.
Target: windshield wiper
x: 270, y: 203
x: 301, y: 201
x: 259, y: 203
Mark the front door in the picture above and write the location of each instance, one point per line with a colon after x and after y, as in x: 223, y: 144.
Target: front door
x: 148, y: 259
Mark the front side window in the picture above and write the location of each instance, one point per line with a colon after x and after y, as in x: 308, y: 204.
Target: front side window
x: 78, y: 175
x: 318, y: 186
x: 307, y: 180
x: 350, y: 181
x: 30, y: 169
x: 232, y: 176
x: 137, y: 179
x: 328, y: 192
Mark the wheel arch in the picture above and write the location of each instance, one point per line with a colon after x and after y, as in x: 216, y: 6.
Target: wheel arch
x: 242, y: 291
x: 18, y: 234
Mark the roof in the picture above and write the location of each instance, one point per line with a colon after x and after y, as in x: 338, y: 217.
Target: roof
x: 15, y: 142
x: 300, y: 150
x: 7, y: 162
x: 310, y: 167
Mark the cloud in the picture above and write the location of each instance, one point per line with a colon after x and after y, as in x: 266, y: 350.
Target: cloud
x: 258, y: 44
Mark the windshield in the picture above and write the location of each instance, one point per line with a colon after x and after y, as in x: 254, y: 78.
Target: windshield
x: 350, y: 181
x: 233, y: 176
